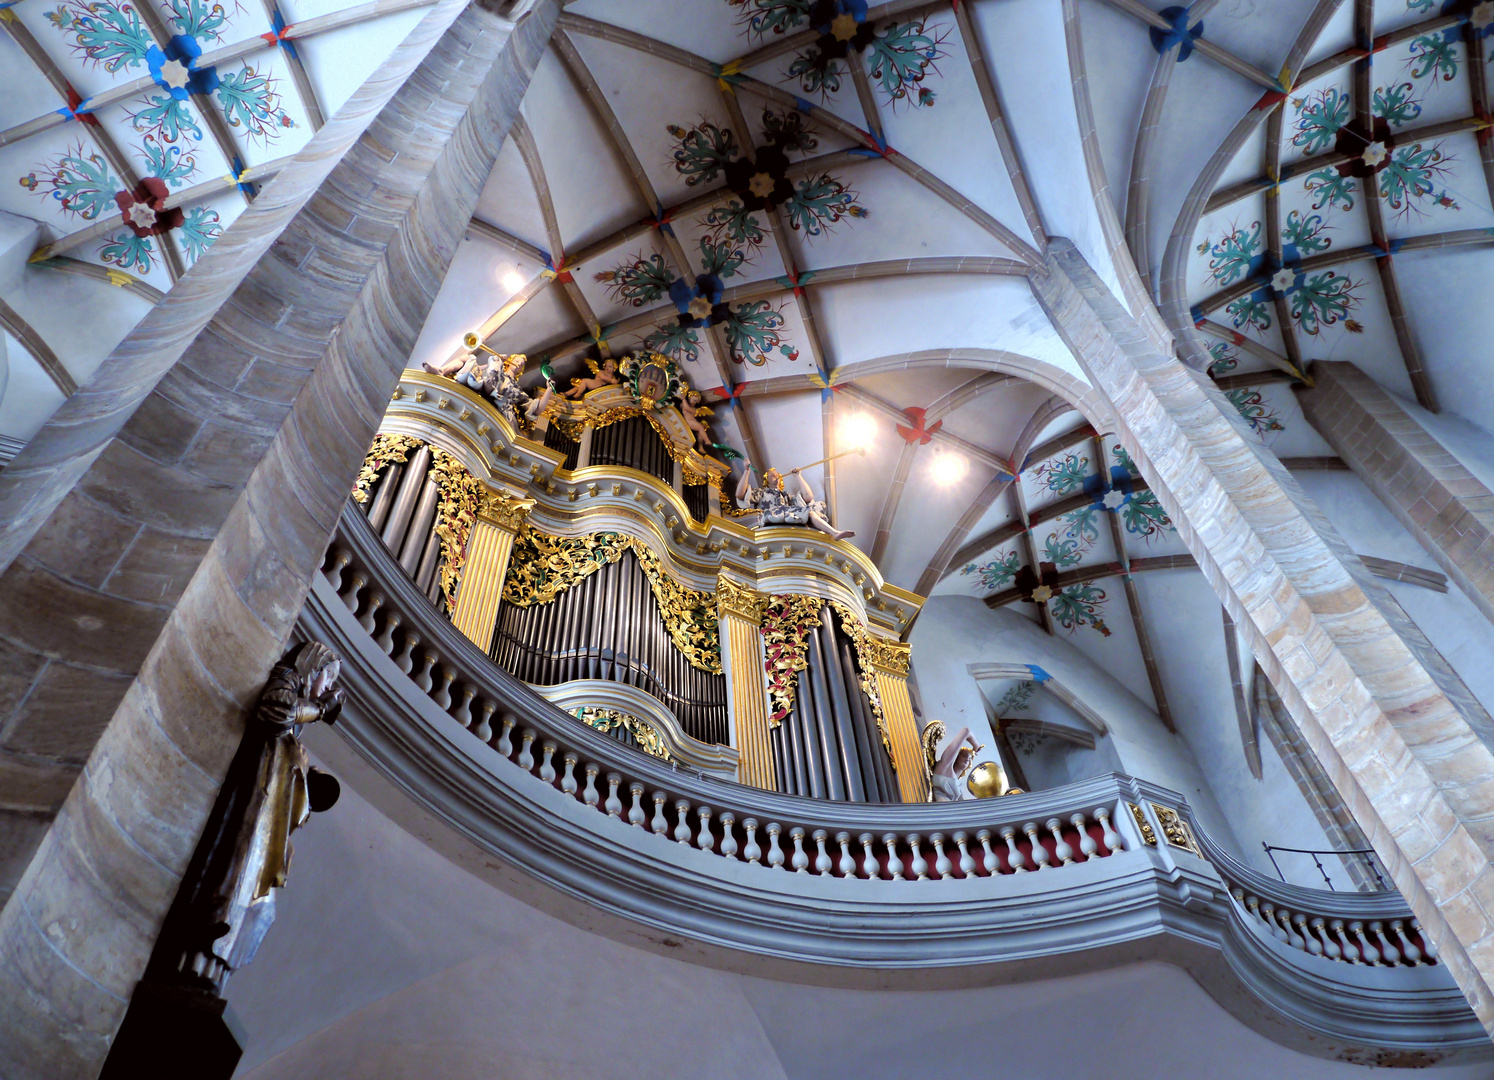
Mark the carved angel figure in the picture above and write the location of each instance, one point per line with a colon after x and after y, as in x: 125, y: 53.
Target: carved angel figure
x: 496, y: 379
x: 778, y: 506
x: 271, y: 789
x: 949, y: 768
x: 605, y: 375
x: 693, y: 411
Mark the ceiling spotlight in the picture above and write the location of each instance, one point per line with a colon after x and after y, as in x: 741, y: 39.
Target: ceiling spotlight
x: 948, y: 469
x: 859, y: 431
x: 513, y: 281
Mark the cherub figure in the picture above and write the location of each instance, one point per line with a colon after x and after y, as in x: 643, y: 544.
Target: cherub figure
x: 776, y: 506
x: 606, y: 375
x: 692, y: 410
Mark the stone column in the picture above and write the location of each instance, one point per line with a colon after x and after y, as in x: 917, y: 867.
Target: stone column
x: 500, y: 516
x: 1439, y: 502
x: 161, y: 531
x: 1410, y: 765
x: 741, y: 613
x: 889, y: 661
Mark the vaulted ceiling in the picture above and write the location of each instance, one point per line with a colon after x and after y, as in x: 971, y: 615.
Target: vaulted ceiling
x: 1293, y: 199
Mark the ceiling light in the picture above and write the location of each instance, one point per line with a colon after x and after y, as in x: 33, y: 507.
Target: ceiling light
x: 859, y: 431
x: 948, y: 469
x: 513, y: 281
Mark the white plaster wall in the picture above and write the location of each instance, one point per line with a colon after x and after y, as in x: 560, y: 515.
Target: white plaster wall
x: 953, y: 632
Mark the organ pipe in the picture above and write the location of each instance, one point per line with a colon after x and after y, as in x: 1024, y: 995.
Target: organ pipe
x: 404, y: 502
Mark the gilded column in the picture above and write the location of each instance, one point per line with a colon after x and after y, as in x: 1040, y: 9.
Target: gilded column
x: 741, y: 613
x: 500, y: 516
x: 889, y: 661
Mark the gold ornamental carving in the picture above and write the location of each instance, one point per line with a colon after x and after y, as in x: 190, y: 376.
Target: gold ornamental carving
x: 503, y: 509
x: 542, y: 567
x: 865, y: 659
x: 1148, y: 835
x: 386, y: 450
x: 739, y: 600
x: 458, y: 496
x: 890, y: 656
x: 1175, y: 829
x: 604, y: 720
x: 787, y: 623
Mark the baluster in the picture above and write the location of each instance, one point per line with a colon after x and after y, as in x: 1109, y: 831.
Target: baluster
x: 703, y: 839
x: 847, y: 864
x: 752, y: 852
x: 942, y: 866
x: 442, y: 696
x: 894, y: 860
x: 484, y: 728
x: 1369, y: 952
x: 920, y: 866
x: 334, y: 572
x: 589, y: 794
x: 967, y: 864
x: 526, y: 754
x: 775, y: 853
x: 1388, y: 952
x: 991, y: 862
x: 1062, y: 850
x: 405, y: 661
x: 461, y: 709
x: 636, y: 816
x: 658, y: 822
x: 1408, y: 949
x: 1087, y: 845
x: 1350, y: 951
x: 1330, y: 947
x: 1313, y: 945
x: 1294, y: 939
x: 350, y: 594
x: 1428, y: 945
x: 505, y: 740
x: 1040, y: 857
x: 613, y: 805
x: 1268, y: 911
x: 728, y: 838
x: 1114, y: 841
x: 568, y: 778
x: 1014, y: 856
x: 366, y: 620
x: 822, y: 861
x: 385, y: 641
x: 422, y: 677
x: 869, y: 867
x: 547, y: 762
x: 682, y: 821
x: 800, y: 861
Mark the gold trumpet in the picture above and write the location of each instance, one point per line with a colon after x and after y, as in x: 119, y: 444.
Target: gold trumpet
x: 471, y: 340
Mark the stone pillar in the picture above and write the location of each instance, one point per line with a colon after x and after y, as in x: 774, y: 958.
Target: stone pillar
x: 1439, y: 502
x: 161, y: 531
x: 741, y: 613
x: 500, y: 516
x: 889, y: 661
x: 1410, y: 765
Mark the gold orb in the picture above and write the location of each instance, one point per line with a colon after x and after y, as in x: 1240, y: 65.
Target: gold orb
x: 987, y: 780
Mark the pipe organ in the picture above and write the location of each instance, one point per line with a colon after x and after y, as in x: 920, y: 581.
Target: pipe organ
x: 578, y: 560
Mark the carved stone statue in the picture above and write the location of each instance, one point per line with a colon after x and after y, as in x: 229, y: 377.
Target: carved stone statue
x: 271, y: 790
x: 946, y: 771
x: 778, y: 506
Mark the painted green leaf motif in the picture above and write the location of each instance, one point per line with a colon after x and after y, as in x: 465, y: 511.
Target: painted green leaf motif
x: 816, y: 74
x: 1411, y: 175
x: 110, y: 34
x: 819, y: 202
x: 1083, y: 525
x: 721, y: 258
x: 199, y: 229
x: 1306, y: 232
x: 1232, y: 255
x: 1123, y: 459
x: 1144, y: 517
x: 1251, y: 311
x: 1064, y: 475
x: 1323, y: 300
x: 166, y: 118
x: 1396, y: 105
x: 1225, y: 359
x: 674, y: 340
x: 639, y: 281
x: 1433, y: 54
x: 129, y: 251
x: 996, y: 574
x: 1062, y: 551
x: 752, y: 330
x: 900, y: 58
x: 198, y: 19
x: 1318, y: 119
x: 1079, y: 605
x: 762, y: 17
x: 1016, y: 699
x: 81, y: 183
x: 1249, y: 404
x: 702, y: 151
x: 251, y: 102
x: 1331, y: 189
x: 735, y: 223
x: 1420, y: 5
x: 168, y: 163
